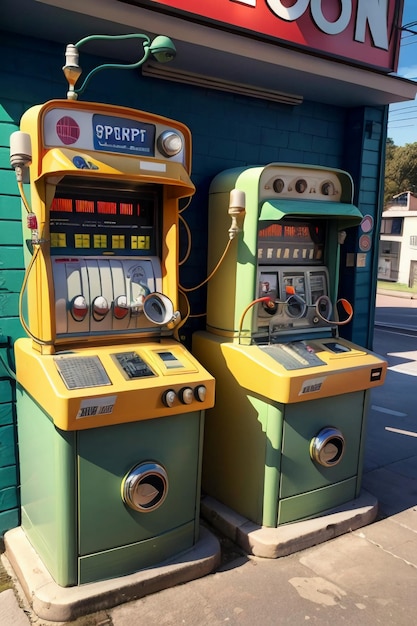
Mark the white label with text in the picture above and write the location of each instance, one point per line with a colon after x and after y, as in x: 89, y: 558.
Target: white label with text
x: 313, y: 385
x: 93, y: 407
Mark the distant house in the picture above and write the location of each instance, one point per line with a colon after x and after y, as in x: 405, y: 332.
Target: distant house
x: 397, y: 260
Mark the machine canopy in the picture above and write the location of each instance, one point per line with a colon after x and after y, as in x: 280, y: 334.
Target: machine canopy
x: 58, y: 163
x: 346, y: 214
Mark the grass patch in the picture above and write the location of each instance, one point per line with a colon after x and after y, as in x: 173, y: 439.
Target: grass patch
x: 5, y: 580
x: 388, y: 286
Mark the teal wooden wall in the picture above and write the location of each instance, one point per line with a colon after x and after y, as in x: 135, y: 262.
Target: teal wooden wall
x: 228, y: 131
x: 11, y: 276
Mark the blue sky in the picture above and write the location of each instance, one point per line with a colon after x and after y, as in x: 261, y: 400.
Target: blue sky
x: 402, y: 122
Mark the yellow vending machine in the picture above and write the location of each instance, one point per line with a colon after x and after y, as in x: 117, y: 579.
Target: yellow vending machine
x: 285, y: 439
x: 110, y: 404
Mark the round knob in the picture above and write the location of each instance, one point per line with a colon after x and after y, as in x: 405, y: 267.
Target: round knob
x: 186, y: 395
x: 169, y: 397
x: 200, y: 393
x: 100, y: 307
x: 295, y: 306
x: 79, y: 308
x: 120, y: 308
x: 324, y: 307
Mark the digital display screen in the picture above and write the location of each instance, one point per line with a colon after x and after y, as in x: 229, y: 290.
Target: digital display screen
x: 121, y: 134
x: 291, y: 242
x: 105, y: 220
x: 170, y: 360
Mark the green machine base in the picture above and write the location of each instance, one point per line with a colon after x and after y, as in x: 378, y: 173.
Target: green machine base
x: 257, y: 452
x: 73, y: 512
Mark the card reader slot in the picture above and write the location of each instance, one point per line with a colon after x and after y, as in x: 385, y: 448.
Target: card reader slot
x: 293, y: 356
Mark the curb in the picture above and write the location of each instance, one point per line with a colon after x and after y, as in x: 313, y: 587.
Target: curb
x: 62, y: 604
x: 289, y: 538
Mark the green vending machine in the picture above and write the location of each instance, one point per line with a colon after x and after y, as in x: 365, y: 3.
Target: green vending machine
x: 285, y: 439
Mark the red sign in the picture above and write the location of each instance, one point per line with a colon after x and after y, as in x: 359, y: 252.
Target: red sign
x: 360, y: 31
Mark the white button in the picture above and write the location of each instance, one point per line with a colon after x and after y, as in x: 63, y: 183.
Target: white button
x: 200, y: 393
x: 168, y: 398
x: 79, y: 308
x: 186, y: 395
x: 120, y: 308
x: 100, y: 306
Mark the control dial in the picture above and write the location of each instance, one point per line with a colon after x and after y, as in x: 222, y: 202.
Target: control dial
x: 169, y: 397
x: 120, y: 307
x: 79, y: 308
x: 100, y: 307
x: 186, y: 395
x: 200, y: 393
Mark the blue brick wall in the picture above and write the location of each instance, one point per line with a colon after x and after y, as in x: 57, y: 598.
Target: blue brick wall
x: 228, y: 131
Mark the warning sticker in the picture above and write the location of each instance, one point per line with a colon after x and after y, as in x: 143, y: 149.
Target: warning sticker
x: 96, y: 406
x: 313, y: 385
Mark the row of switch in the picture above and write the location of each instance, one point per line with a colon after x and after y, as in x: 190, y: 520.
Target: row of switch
x: 186, y: 395
x: 100, y: 307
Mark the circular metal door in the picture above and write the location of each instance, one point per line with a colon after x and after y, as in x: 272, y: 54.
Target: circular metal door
x: 145, y: 487
x: 327, y: 447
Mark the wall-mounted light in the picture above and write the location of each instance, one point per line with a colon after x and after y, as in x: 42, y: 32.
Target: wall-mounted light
x: 161, y: 48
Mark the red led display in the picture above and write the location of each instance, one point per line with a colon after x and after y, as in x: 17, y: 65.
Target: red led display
x: 109, y: 208
x: 62, y: 204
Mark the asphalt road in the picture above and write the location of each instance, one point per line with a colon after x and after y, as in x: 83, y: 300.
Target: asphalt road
x: 396, y: 311
x: 391, y: 421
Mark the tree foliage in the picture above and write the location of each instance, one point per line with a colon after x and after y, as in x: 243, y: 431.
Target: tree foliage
x: 400, y: 169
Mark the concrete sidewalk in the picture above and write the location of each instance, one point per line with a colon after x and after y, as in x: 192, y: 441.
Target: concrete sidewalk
x: 366, y: 577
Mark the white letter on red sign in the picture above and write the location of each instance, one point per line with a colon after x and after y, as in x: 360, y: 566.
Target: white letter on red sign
x: 288, y: 13
x: 332, y: 28
x: 374, y: 13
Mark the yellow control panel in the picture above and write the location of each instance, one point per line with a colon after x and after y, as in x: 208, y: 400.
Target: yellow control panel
x: 295, y: 371
x: 91, y: 387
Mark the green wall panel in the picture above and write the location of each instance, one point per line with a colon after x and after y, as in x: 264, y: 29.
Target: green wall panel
x: 11, y: 232
x: 11, y: 280
x: 7, y: 181
x: 8, y: 498
x: 6, y: 129
x: 8, y: 477
x: 6, y: 414
x: 7, y: 445
x: 9, y: 301
x: 10, y: 207
x: 6, y: 391
x: 11, y: 257
x: 9, y: 519
x: 11, y: 327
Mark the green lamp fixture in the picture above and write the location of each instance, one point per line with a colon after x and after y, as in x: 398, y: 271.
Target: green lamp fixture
x: 161, y: 48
